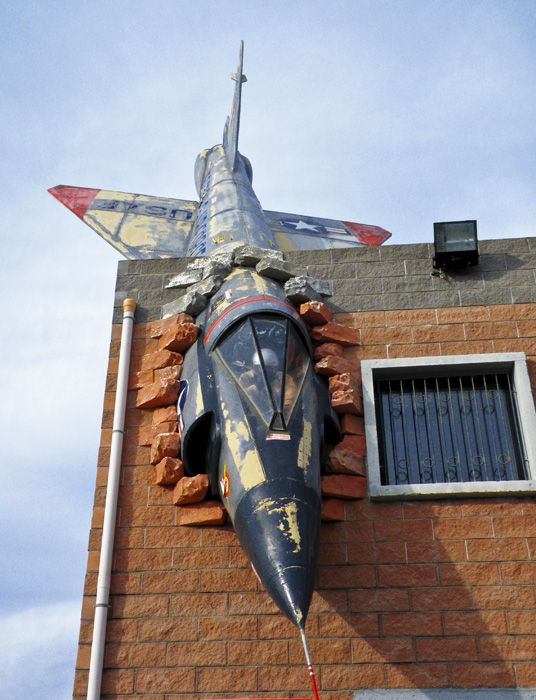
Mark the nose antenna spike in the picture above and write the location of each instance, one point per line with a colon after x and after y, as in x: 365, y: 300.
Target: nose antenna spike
x: 309, y: 665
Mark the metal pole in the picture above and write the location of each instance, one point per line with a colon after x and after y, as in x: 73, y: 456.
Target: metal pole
x: 110, y: 510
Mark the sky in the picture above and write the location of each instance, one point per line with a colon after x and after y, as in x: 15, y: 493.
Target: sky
x: 396, y: 113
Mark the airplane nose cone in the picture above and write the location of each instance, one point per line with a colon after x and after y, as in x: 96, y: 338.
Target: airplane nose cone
x: 278, y: 525
x: 291, y: 589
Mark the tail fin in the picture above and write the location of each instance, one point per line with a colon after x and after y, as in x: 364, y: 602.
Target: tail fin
x: 232, y: 125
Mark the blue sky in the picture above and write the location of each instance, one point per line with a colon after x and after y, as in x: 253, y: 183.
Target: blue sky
x: 394, y: 113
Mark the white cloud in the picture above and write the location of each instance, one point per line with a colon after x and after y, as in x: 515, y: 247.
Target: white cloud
x: 38, y: 649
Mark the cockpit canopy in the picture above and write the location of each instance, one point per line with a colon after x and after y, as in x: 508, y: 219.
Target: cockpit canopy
x: 268, y: 360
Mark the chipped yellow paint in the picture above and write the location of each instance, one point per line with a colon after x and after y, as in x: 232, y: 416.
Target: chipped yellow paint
x: 306, y: 445
x: 284, y: 243
x: 199, y: 403
x: 246, y: 458
x: 288, y: 523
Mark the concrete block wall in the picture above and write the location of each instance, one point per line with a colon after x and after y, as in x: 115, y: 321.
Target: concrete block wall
x: 409, y: 594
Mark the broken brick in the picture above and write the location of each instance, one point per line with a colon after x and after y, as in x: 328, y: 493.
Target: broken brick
x: 173, y: 372
x: 327, y: 349
x: 179, y: 338
x: 148, y: 433
x: 158, y: 328
x: 205, y: 513
x: 315, y: 313
x: 137, y: 380
x: 190, y: 489
x: 329, y: 366
x: 354, y: 443
x: 159, y: 359
x: 331, y: 510
x: 335, y: 333
x: 164, y: 415
x: 162, y: 393
x: 343, y: 461
x: 343, y: 486
x: 352, y: 425
x: 168, y: 471
x: 349, y: 401
x: 343, y: 382
x: 165, y: 445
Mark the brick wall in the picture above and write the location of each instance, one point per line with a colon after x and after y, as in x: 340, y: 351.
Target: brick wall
x: 409, y: 594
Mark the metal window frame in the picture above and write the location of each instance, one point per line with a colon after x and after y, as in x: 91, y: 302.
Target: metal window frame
x: 513, y: 364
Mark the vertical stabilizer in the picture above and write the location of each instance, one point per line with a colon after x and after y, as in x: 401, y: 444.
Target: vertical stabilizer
x: 232, y: 125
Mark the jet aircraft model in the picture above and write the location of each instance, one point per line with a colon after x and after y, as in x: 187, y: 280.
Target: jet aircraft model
x: 253, y: 414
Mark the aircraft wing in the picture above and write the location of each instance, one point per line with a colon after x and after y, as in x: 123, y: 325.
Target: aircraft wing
x: 296, y: 232
x: 137, y: 225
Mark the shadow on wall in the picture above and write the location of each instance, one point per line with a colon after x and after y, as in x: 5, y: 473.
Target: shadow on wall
x: 427, y: 595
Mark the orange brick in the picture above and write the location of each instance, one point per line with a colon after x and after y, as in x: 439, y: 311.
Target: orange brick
x: 506, y: 648
x: 438, y: 334
x: 365, y: 352
x: 254, y: 603
x: 462, y: 528
x: 497, y: 329
x: 346, y: 626
x: 423, y: 509
x: 196, y: 653
x: 315, y: 313
x: 404, y: 530
x: 411, y: 624
x: 526, y: 675
x: 526, y: 329
x: 83, y: 657
x: 228, y: 680
x: 479, y: 622
x: 377, y: 553
x: 164, y: 680
x: 117, y: 681
x: 228, y: 580
x: 518, y: 572
x: 351, y: 677
x: 416, y: 676
x: 259, y: 653
x: 131, y: 606
x: 462, y: 314
x: 497, y: 550
x: 135, y: 655
x: 122, y: 631
x: 413, y: 317
x: 363, y: 319
x: 414, y: 350
x: 198, y: 604
x: 143, y: 560
x: 454, y: 598
x: 236, y: 627
x: 346, y: 577
x: 467, y: 347
x: 486, y: 675
x: 170, y: 581
x: 490, y: 506
x: 504, y: 597
x: 379, y: 600
x: 201, y: 558
x: 384, y: 336
x: 167, y: 629
x: 332, y: 510
x: 97, y: 518
x: 447, y: 649
x: 407, y: 575
x: 524, y: 526
x: 469, y: 574
x: 521, y: 622
x: 390, y: 650
x: 150, y: 516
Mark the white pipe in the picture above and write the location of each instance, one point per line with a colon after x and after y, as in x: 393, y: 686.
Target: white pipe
x: 110, y: 509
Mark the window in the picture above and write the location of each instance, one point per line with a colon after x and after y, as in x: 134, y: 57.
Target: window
x: 266, y: 356
x: 441, y: 426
